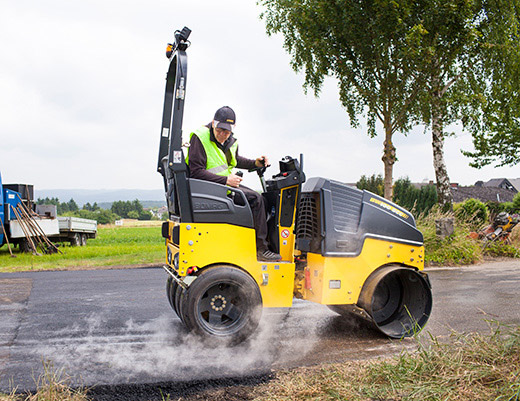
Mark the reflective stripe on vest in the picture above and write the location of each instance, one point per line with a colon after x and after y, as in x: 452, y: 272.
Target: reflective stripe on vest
x: 216, y: 161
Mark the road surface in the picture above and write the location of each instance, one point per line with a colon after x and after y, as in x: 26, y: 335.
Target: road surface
x: 116, y: 327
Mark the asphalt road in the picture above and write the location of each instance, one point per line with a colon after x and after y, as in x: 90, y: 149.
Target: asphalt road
x: 116, y: 326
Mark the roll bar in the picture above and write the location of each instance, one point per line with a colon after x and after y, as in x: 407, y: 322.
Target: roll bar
x: 171, y: 162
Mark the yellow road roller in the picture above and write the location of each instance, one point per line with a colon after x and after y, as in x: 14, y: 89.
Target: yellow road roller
x: 349, y: 249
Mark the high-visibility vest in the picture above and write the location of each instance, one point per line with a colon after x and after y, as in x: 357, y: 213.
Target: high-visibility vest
x: 216, y: 160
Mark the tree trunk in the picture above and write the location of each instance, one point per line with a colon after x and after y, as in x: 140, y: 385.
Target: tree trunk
x: 388, y: 159
x: 444, y: 195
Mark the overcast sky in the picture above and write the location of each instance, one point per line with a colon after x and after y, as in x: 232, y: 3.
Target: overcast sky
x: 82, y: 86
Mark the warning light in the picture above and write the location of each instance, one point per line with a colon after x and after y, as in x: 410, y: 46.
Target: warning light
x: 169, y: 50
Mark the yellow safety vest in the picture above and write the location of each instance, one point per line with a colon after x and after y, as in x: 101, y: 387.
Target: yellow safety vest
x: 216, y: 161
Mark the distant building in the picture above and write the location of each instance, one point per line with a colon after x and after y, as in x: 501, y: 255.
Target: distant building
x: 483, y: 193
x: 505, y: 183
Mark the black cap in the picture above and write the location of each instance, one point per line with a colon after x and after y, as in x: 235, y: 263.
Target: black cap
x: 225, y: 118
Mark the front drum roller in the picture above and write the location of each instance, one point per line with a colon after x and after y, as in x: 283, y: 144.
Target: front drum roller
x: 223, y: 302
x: 398, y: 299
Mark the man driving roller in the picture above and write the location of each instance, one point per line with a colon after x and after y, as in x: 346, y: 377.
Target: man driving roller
x: 212, y: 155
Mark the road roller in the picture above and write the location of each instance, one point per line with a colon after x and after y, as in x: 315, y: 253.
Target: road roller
x: 349, y: 249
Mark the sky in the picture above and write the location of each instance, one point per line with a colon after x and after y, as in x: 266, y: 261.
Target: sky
x: 82, y: 86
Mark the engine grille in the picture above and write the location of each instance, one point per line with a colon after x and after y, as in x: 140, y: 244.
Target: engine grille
x: 308, y: 225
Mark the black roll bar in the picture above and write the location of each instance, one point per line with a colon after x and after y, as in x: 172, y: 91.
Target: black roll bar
x: 171, y: 163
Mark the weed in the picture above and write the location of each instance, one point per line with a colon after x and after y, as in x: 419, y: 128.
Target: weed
x: 52, y: 385
x: 468, y: 367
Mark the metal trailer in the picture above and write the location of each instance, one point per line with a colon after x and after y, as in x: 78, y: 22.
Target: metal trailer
x: 75, y: 230
x: 42, y: 219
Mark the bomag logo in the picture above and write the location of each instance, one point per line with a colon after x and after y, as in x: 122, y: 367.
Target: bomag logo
x: 389, y: 207
x: 209, y: 206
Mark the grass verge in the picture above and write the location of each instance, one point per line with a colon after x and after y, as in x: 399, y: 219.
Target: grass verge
x: 120, y: 246
x: 52, y: 385
x: 470, y: 367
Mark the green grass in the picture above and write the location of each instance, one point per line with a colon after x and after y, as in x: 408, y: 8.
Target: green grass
x: 113, y: 246
x: 469, y: 367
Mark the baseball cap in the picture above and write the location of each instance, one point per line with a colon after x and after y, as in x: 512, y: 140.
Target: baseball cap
x: 225, y: 118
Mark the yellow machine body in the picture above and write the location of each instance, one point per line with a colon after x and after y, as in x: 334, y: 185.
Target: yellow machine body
x: 208, y: 244
x: 326, y: 280
x: 339, y: 280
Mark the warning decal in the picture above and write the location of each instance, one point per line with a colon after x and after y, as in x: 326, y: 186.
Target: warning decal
x: 285, y: 233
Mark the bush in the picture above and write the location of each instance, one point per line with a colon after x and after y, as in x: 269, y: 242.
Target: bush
x: 459, y: 248
x: 516, y: 203
x: 472, y: 211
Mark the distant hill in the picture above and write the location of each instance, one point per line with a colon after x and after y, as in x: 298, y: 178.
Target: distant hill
x: 148, y: 197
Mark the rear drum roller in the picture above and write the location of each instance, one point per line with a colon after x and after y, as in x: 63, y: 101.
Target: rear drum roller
x: 398, y: 299
x: 223, y: 302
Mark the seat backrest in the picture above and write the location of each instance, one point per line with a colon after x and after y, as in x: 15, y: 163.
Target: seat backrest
x: 216, y: 203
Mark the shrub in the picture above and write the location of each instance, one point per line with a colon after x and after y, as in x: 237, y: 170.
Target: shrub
x: 458, y: 248
x: 516, y: 203
x: 472, y: 211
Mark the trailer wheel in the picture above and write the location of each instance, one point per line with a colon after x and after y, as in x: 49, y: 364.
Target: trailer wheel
x: 223, y: 302
x: 83, y: 239
x: 75, y: 240
x: 24, y: 245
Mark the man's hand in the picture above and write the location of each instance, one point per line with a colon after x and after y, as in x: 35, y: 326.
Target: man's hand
x: 262, y: 161
x: 233, y: 180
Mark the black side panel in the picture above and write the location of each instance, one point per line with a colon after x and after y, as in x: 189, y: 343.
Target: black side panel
x: 215, y: 203
x: 289, y: 197
x: 385, y: 218
x: 346, y: 216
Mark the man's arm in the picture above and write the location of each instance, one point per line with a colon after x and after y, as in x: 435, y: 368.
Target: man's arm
x: 197, y: 163
x: 244, y: 162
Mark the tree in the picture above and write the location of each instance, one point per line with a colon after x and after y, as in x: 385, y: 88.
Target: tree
x: 373, y: 184
x: 72, y: 206
x: 129, y: 209
x: 468, y: 53
x: 419, y: 199
x: 91, y: 208
x: 400, y: 62
x: 496, y: 135
x: 364, y: 45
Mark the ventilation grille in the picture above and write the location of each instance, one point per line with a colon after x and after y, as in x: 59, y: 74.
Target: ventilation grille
x: 307, y: 228
x: 346, y: 206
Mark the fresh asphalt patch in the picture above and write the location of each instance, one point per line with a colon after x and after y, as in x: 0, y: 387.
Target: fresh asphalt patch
x: 114, y: 332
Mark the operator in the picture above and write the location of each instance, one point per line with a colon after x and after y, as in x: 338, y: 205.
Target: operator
x: 212, y: 155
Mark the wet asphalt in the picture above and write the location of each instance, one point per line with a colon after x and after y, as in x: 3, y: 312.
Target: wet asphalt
x: 115, y: 328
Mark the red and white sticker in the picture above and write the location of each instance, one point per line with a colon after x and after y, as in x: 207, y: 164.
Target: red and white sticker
x: 285, y: 233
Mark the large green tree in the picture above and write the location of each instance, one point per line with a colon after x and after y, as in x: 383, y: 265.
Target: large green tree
x: 407, y: 61
x: 467, y: 54
x: 496, y: 131
x: 363, y: 44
